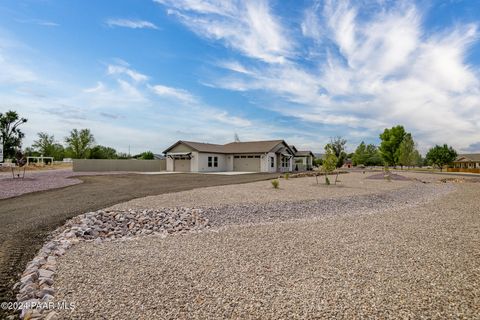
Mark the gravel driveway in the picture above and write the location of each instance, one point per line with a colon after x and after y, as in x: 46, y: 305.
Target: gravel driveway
x: 417, y: 258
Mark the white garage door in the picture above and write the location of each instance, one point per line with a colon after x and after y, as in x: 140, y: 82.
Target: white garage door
x: 182, y: 165
x: 246, y: 163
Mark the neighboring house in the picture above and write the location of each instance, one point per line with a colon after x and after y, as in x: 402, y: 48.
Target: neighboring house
x: 348, y: 163
x: 253, y: 156
x: 303, y: 159
x: 466, y: 163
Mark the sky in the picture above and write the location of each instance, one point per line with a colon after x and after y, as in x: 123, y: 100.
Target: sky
x: 142, y: 74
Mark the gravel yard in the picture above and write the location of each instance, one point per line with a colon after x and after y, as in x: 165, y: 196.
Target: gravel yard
x: 409, y: 253
x: 295, y: 189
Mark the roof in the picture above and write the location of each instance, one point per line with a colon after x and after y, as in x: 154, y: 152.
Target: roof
x: 233, y: 147
x: 293, y: 148
x: 304, y: 153
x: 471, y: 157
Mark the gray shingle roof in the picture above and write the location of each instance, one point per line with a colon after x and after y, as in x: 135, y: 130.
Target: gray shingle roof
x: 232, y: 147
x: 470, y: 156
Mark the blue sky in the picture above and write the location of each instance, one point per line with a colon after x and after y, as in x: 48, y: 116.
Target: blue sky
x: 145, y: 73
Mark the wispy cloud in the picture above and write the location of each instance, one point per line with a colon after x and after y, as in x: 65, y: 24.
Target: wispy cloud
x: 130, y: 23
x: 248, y: 27
x: 122, y: 69
x: 175, y: 93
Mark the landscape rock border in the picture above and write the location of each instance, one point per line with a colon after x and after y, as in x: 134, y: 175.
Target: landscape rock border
x: 36, y: 290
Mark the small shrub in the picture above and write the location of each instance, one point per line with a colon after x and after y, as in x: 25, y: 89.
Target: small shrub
x: 287, y: 175
x: 327, y: 181
x: 275, y: 183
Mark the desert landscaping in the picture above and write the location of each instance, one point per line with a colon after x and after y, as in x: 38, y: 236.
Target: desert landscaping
x: 361, y: 248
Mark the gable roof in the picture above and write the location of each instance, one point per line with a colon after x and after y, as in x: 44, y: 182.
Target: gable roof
x: 233, y: 147
x: 468, y: 157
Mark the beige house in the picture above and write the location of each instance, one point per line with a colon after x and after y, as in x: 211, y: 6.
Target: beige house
x: 466, y: 163
x: 253, y: 156
x: 303, y: 159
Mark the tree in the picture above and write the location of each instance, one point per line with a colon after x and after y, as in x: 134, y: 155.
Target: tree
x: 102, y: 152
x: 441, y: 155
x: 390, y: 145
x: 79, y: 143
x: 407, y: 151
x: 147, y: 155
x: 46, y: 145
x: 330, y: 162
x: 10, y: 134
x: 367, y: 155
x: 337, y: 146
x: 360, y: 154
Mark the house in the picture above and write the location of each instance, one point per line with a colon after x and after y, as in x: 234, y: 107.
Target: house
x: 303, y: 159
x: 348, y: 163
x: 466, y: 163
x: 252, y: 156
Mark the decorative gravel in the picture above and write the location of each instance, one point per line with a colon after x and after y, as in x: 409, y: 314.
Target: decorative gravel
x: 36, y: 285
x: 400, y: 256
x: 40, y: 181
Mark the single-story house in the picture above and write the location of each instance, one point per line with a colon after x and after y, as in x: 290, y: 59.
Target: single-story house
x: 466, y: 163
x: 252, y: 156
x: 303, y: 159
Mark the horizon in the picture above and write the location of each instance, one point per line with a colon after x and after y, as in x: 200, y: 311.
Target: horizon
x: 145, y: 74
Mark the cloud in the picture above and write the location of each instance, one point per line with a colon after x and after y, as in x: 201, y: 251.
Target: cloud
x: 175, y: 93
x: 248, y: 27
x: 234, y: 121
x: 131, y: 23
x: 372, y: 69
x: 122, y: 69
x: 39, y: 22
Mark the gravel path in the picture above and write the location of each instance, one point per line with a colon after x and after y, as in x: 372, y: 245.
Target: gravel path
x: 410, y: 258
x: 40, y: 181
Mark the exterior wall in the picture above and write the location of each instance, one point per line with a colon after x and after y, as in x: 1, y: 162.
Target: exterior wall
x: 181, y: 148
x: 268, y: 162
x: 229, y: 162
x: 202, y: 162
x: 169, y: 164
x: 103, y: 165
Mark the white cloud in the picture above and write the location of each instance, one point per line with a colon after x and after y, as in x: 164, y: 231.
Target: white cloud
x: 234, y: 121
x: 122, y: 69
x: 175, y: 93
x: 248, y: 27
x: 131, y: 23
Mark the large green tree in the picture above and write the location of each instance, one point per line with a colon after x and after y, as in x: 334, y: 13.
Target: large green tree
x: 390, y: 145
x: 441, y: 155
x: 10, y: 133
x: 102, y: 152
x: 79, y: 143
x: 367, y: 155
x: 46, y: 145
x: 337, y: 146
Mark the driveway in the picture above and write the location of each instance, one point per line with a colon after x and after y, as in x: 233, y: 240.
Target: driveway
x: 27, y: 220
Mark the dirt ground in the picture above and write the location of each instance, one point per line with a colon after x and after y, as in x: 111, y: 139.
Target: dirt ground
x: 28, y: 219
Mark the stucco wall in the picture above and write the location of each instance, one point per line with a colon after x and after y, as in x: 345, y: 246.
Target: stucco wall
x: 102, y: 165
x: 202, y: 162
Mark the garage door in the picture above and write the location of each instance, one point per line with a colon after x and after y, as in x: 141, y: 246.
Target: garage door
x: 246, y: 163
x: 182, y: 165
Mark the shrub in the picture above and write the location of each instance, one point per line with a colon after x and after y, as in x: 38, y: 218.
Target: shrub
x: 287, y: 175
x: 275, y: 183
x: 327, y: 181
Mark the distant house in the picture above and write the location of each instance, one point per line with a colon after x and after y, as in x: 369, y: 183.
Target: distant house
x: 252, y: 156
x: 466, y: 163
x: 348, y: 163
x: 303, y: 159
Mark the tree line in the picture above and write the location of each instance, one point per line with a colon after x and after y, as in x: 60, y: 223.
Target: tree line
x: 79, y: 144
x: 397, y: 148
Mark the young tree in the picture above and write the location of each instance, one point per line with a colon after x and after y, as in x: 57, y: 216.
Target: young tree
x: 80, y: 142
x: 441, y: 155
x: 44, y: 144
x: 330, y: 162
x: 10, y: 134
x: 406, y: 151
x: 337, y: 146
x: 390, y: 145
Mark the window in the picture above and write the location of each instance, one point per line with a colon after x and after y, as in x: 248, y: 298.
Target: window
x: 209, y: 162
x: 249, y: 156
x: 215, y: 162
x: 285, y: 162
x: 272, y: 162
x: 257, y: 157
x: 236, y: 157
x: 212, y: 162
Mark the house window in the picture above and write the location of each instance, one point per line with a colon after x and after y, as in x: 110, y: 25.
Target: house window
x: 236, y: 157
x: 215, y: 162
x: 285, y: 162
x: 210, y: 162
x: 257, y: 157
x: 272, y: 162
